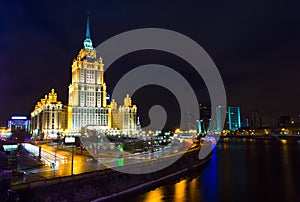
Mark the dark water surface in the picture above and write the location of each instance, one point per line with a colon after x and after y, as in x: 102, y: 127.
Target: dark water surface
x: 241, y: 170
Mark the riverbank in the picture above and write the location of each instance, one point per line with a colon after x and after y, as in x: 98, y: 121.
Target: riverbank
x: 241, y: 170
x: 108, y: 184
x: 171, y: 177
x: 263, y: 137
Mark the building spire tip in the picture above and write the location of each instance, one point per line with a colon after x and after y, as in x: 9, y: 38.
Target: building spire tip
x: 88, y: 42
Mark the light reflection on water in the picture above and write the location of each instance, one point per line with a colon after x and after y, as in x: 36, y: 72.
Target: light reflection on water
x: 180, y: 189
x: 156, y: 194
x: 240, y: 170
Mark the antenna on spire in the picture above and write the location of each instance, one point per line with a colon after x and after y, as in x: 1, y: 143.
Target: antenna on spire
x: 88, y: 44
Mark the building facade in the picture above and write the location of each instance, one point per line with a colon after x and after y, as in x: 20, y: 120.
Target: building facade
x: 234, y: 118
x: 17, y: 123
x: 48, y: 120
x: 88, y: 107
x: 124, y: 117
x: 220, y: 118
x: 87, y: 92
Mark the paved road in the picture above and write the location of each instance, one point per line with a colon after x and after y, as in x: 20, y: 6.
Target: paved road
x: 84, y: 162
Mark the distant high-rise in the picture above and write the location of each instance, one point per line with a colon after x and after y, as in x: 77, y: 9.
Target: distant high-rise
x: 188, y: 121
x: 256, y: 121
x: 245, y: 122
x: 234, y: 118
x: 205, y: 119
x: 220, y: 118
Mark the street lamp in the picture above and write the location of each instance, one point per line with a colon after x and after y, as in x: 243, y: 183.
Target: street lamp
x: 72, y: 157
x: 55, y: 160
x: 71, y: 140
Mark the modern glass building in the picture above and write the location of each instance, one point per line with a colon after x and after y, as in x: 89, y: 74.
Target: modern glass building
x: 234, y: 118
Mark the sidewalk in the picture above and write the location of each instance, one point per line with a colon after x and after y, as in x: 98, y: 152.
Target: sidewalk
x: 109, y: 154
x: 27, y: 161
x: 69, y: 149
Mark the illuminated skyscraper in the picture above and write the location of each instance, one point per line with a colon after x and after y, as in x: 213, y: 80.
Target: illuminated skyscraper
x: 234, y: 118
x: 87, y: 92
x: 88, y: 107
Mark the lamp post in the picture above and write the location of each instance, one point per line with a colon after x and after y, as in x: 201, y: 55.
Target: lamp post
x: 55, y: 159
x: 71, y: 140
x: 40, y: 152
x: 72, y: 159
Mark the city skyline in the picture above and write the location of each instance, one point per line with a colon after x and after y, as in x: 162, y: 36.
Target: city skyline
x: 149, y: 100
x: 246, y: 53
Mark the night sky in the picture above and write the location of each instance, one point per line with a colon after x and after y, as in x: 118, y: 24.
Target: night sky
x: 255, y: 45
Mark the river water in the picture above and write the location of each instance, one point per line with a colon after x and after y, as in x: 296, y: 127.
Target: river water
x: 241, y: 170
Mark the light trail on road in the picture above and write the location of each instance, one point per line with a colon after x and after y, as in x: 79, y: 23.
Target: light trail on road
x: 47, y: 156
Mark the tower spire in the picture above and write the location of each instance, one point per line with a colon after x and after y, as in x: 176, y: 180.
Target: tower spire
x: 87, y: 33
x: 88, y: 44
